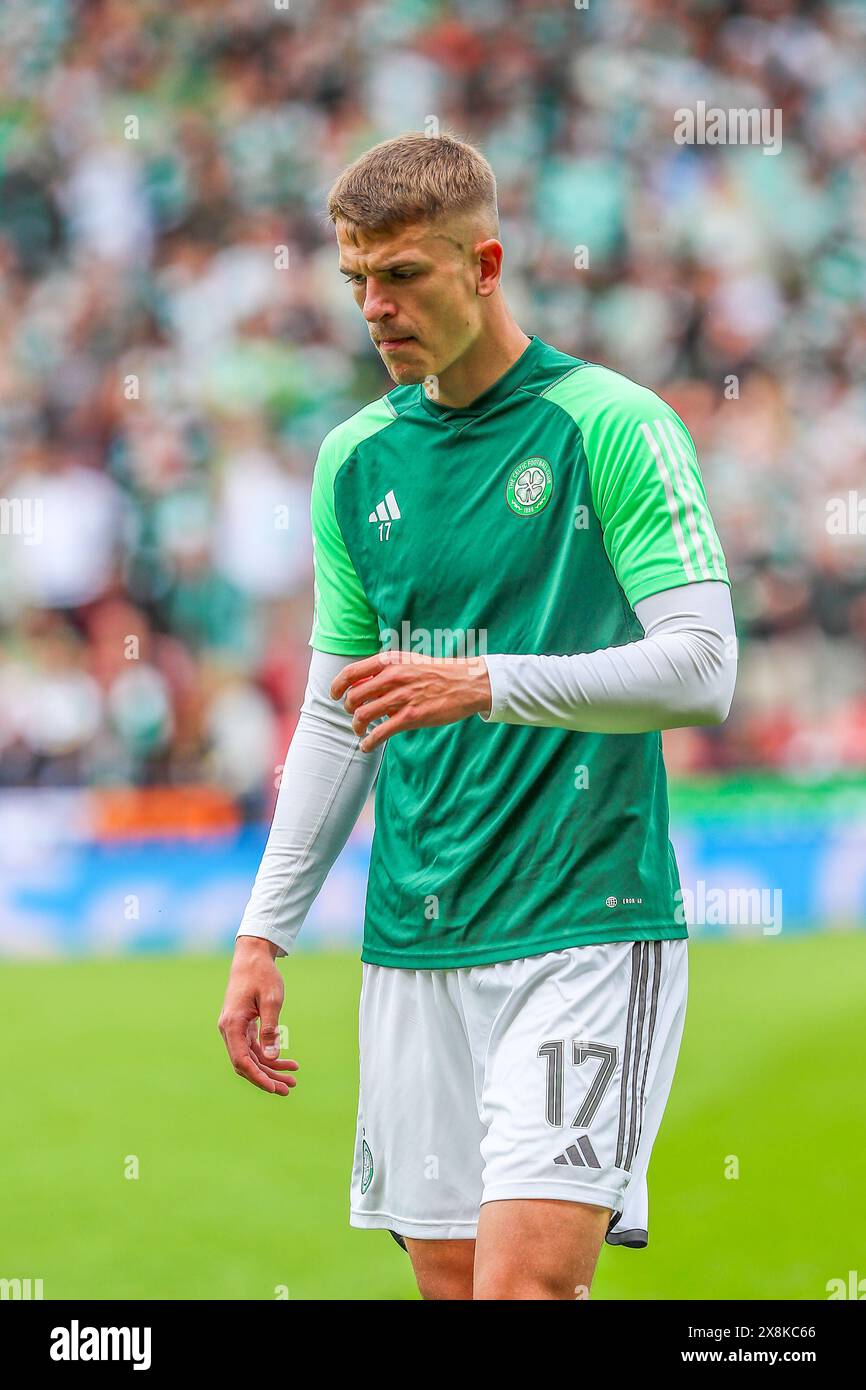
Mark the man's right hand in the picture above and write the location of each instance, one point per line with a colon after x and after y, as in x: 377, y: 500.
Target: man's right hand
x: 255, y: 991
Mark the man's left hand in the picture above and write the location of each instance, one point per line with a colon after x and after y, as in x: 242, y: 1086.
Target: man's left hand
x: 413, y: 691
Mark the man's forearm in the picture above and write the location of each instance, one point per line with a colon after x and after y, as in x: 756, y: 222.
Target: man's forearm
x: 325, y: 783
x: 682, y: 672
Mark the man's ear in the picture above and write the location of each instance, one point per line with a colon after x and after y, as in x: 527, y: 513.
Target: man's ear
x: 489, y: 253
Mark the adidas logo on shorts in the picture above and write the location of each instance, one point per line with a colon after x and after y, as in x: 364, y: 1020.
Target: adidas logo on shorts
x: 581, y: 1154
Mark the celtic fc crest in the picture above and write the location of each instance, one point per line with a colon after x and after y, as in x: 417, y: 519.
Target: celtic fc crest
x: 366, y: 1166
x: 529, y: 487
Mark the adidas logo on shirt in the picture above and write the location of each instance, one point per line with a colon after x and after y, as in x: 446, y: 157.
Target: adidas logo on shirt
x: 386, y: 512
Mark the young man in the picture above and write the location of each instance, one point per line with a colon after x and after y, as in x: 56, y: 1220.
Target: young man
x: 524, y: 977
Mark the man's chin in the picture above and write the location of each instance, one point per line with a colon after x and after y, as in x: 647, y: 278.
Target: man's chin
x: 404, y: 374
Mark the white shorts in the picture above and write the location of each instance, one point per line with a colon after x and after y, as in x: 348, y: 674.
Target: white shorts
x: 541, y: 1077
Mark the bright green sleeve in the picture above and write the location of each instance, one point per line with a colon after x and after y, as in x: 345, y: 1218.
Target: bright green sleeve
x: 646, y: 484
x: 343, y: 619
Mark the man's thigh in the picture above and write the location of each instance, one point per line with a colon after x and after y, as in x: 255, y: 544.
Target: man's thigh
x: 443, y: 1269
x: 537, y: 1249
x: 523, y: 1250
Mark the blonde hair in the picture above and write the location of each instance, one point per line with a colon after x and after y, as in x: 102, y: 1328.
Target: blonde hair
x: 412, y: 178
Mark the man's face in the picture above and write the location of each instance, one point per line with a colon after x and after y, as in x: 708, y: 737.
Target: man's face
x: 417, y: 289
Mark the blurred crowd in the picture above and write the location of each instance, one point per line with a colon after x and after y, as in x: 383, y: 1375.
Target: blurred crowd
x: 175, y: 339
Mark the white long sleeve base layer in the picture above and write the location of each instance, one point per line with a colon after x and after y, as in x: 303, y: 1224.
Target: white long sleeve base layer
x: 682, y: 672
x: 325, y: 782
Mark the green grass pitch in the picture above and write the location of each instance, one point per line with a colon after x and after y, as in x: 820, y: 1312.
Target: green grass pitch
x: 239, y: 1192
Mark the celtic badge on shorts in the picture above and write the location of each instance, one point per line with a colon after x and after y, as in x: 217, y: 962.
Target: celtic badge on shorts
x: 367, y: 1169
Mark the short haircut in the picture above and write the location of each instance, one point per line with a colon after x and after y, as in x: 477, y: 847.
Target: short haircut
x: 413, y: 178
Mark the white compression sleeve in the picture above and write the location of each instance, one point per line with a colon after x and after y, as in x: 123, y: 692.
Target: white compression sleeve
x: 325, y: 782
x: 682, y: 672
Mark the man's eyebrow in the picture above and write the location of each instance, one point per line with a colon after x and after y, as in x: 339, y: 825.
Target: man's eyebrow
x: 404, y: 264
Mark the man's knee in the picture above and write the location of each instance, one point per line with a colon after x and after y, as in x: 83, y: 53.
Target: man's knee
x: 506, y: 1284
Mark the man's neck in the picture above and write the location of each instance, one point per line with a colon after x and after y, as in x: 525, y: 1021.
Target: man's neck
x: 489, y: 358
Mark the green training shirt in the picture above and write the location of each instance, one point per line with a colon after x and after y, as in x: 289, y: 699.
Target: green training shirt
x: 532, y: 521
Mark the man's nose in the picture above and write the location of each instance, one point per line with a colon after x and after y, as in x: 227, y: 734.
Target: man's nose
x: 377, y: 305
